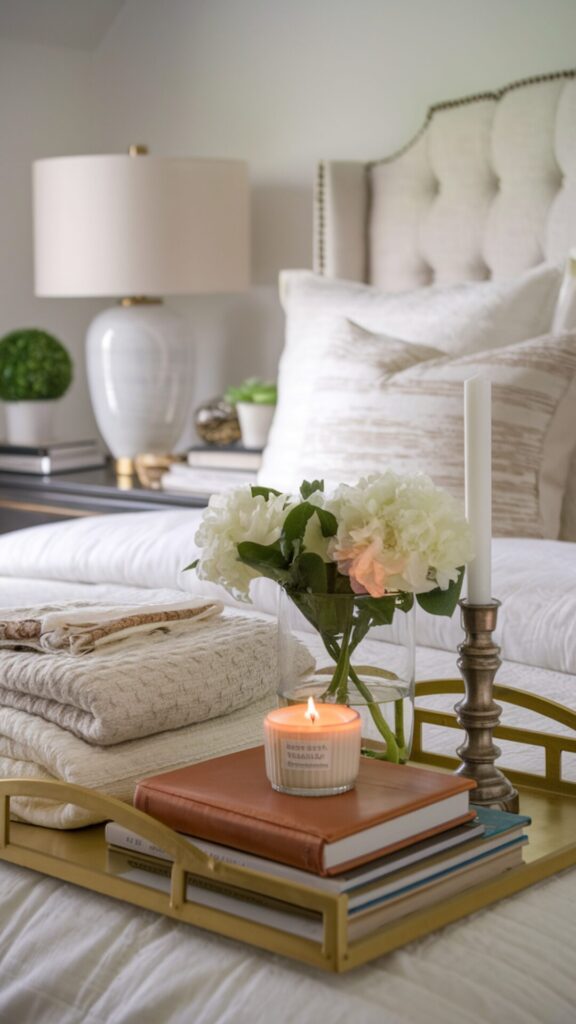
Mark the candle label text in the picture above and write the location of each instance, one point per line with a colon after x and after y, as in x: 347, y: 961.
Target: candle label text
x: 305, y: 755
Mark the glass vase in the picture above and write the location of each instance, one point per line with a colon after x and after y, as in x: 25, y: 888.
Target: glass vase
x: 331, y: 649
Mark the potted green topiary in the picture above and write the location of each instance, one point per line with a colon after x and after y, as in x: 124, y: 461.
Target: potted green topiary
x: 35, y: 371
x: 255, y: 402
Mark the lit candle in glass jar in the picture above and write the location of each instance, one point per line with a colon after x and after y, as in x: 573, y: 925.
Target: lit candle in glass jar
x: 312, y: 751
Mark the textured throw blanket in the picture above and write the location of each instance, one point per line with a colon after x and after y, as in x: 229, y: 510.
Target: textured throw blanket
x: 33, y: 748
x: 80, y: 627
x: 163, y: 682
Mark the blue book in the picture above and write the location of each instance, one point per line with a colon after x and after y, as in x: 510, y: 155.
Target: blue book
x: 496, y: 821
x: 503, y: 831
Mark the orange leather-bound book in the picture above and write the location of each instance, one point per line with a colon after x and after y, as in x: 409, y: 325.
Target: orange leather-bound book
x: 229, y: 800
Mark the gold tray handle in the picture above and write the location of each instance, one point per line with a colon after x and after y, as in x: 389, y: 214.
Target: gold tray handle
x: 184, y: 854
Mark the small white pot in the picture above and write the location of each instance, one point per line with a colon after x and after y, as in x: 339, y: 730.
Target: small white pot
x: 30, y: 423
x: 255, y: 420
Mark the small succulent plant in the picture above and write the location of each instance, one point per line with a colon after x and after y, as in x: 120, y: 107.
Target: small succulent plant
x: 33, y: 366
x: 262, y: 392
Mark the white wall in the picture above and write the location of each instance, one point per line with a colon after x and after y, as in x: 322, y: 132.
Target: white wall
x: 44, y: 111
x: 281, y: 83
x: 285, y: 83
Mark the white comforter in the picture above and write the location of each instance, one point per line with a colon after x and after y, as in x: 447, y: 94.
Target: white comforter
x: 534, y: 579
x: 70, y: 957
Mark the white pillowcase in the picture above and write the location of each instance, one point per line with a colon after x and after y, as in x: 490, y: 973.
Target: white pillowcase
x: 367, y: 416
x: 565, y: 320
x: 457, y: 319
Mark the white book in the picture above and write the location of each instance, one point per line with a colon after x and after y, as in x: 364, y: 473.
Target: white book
x: 54, y: 462
x: 181, y: 477
x: 251, y: 906
x: 350, y: 881
x: 225, y: 458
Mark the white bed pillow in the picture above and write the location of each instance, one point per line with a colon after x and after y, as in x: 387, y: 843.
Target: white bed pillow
x: 367, y: 416
x: 565, y: 320
x: 458, y: 319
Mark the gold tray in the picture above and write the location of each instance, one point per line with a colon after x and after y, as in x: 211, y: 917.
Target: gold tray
x: 80, y: 856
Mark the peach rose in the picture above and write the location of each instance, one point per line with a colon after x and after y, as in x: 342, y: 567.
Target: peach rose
x: 369, y: 567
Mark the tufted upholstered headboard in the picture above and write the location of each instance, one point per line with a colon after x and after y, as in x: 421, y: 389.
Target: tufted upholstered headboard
x: 486, y: 189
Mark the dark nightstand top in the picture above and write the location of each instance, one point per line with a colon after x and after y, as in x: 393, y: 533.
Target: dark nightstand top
x: 27, y: 499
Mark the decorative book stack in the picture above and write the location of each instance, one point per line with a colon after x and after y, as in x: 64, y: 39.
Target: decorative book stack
x: 59, y: 457
x: 404, y: 839
x: 212, y: 470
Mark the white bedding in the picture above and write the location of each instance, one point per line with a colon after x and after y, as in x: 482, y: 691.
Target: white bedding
x: 69, y: 957
x: 534, y: 579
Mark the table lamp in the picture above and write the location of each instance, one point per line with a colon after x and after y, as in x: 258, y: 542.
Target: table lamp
x: 137, y: 227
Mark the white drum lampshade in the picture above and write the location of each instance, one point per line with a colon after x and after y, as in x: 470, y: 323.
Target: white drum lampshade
x: 138, y: 227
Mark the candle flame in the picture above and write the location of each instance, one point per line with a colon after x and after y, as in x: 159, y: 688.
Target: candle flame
x: 312, y: 712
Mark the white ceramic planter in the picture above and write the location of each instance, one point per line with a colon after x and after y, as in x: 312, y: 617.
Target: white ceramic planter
x: 30, y: 423
x: 255, y: 420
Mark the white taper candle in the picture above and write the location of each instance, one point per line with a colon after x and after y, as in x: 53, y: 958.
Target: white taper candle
x: 478, y: 472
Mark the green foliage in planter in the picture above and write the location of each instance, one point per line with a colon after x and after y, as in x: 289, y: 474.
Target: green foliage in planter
x: 33, y: 366
x: 262, y: 392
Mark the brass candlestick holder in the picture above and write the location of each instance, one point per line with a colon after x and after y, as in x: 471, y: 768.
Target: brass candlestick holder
x: 478, y: 713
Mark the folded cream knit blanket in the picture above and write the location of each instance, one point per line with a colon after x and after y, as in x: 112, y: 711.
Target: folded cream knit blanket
x: 128, y: 690
x: 33, y: 748
x: 80, y: 627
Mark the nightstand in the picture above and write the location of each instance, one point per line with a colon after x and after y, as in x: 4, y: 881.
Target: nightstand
x: 28, y: 500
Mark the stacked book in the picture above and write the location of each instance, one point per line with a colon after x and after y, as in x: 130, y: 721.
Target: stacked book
x: 59, y: 457
x: 403, y: 840
x: 213, y: 470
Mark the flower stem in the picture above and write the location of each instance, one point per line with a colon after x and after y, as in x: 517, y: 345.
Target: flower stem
x: 338, y: 687
x: 392, y: 751
x: 399, y: 723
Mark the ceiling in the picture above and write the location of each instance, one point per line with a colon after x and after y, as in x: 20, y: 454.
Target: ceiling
x: 80, y: 24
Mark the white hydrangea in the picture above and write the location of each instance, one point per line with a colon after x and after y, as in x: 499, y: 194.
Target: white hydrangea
x: 398, y: 533
x: 230, y: 518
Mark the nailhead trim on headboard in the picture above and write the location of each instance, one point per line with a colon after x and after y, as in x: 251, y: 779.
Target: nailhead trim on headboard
x: 320, y: 213
x: 475, y: 98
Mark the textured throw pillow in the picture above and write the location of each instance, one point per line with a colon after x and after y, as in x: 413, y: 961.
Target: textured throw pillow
x: 367, y: 417
x: 457, y: 319
x: 334, y: 344
x: 565, y: 320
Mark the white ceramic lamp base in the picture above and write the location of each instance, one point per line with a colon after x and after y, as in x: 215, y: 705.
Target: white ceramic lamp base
x: 139, y: 366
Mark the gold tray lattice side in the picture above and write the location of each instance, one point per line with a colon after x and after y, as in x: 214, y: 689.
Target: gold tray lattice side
x: 554, y: 746
x: 80, y: 856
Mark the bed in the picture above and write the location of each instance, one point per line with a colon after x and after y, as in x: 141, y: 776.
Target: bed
x: 457, y: 244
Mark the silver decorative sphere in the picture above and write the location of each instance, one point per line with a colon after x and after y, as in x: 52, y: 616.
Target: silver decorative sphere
x: 216, y: 422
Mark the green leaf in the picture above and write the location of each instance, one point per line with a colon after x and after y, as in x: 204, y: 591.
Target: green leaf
x: 442, y: 602
x: 309, y: 487
x: 328, y: 522
x: 295, y: 525
x: 380, y: 609
x: 192, y: 565
x: 263, y: 492
x: 332, y: 618
x: 372, y: 611
x: 266, y: 560
x: 404, y: 601
x: 309, y: 573
x: 261, y: 554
